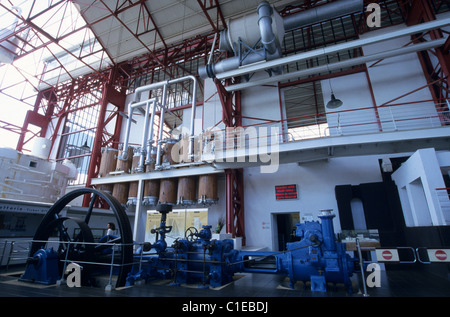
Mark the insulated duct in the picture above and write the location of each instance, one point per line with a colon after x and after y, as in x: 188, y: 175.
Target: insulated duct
x: 343, y: 64
x: 419, y: 28
x: 265, y: 26
x: 322, y: 13
x: 268, y: 27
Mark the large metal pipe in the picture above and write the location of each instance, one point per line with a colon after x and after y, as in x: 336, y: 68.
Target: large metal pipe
x: 322, y: 13
x: 343, y: 64
x: 148, y: 124
x: 149, y: 145
x: 161, y: 125
x: 268, y: 38
x: 215, y: 69
x: 419, y: 28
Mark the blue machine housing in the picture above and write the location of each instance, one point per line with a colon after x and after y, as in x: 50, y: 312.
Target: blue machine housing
x: 316, y: 257
x: 42, y: 267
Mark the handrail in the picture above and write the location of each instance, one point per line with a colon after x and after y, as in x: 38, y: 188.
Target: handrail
x: 315, y: 120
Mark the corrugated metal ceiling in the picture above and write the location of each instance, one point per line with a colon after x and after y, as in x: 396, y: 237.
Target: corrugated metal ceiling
x: 129, y: 30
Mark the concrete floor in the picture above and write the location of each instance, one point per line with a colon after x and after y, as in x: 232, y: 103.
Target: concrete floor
x: 394, y: 283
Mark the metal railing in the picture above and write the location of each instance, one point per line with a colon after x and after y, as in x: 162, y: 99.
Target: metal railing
x: 11, y: 253
x: 385, y: 118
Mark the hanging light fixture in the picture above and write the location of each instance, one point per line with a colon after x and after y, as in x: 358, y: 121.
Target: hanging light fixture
x: 334, y: 102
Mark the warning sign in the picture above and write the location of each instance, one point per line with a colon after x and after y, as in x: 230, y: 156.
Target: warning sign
x: 286, y: 192
x: 387, y: 255
x: 439, y: 255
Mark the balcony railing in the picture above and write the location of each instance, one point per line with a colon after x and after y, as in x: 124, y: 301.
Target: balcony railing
x: 386, y: 118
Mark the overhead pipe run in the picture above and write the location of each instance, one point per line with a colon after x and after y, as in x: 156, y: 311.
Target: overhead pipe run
x: 343, y: 64
x: 419, y: 28
x: 268, y: 27
x: 322, y: 13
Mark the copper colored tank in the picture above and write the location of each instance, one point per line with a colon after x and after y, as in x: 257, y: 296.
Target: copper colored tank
x: 207, y: 189
x: 120, y: 192
x: 107, y: 164
x: 186, y: 190
x: 151, y: 186
x: 168, y: 191
x: 125, y: 166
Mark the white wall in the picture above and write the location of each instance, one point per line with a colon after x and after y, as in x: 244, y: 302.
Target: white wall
x: 316, y: 183
x: 353, y: 90
x: 212, y: 110
x: 393, y: 81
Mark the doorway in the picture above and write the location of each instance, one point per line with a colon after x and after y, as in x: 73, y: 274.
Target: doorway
x: 284, y: 229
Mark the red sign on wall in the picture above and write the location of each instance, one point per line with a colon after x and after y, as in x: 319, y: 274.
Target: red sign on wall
x: 286, y: 192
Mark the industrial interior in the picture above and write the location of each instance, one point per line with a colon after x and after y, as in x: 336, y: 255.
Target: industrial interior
x: 268, y: 148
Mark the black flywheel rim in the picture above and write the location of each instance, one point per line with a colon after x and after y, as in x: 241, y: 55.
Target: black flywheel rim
x: 53, y: 218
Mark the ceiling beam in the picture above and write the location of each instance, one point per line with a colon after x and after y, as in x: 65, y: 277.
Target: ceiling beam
x: 213, y: 4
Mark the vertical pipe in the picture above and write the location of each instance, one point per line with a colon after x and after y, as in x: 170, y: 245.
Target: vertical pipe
x: 139, y: 216
x: 328, y: 230
x: 149, y: 144
x: 194, y: 104
x: 161, y: 126
x: 268, y: 38
x: 140, y: 167
x: 124, y: 155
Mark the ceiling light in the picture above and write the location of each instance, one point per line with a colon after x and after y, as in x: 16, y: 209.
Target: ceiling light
x: 334, y: 103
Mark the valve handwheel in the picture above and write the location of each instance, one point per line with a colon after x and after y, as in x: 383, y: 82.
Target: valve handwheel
x: 191, y: 234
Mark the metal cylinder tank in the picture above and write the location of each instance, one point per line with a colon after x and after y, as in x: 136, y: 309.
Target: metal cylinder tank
x: 108, y: 164
x: 168, y: 191
x: 207, y: 189
x: 186, y: 191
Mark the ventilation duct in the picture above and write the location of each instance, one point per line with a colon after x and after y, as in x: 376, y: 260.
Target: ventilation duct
x: 256, y: 37
x: 322, y: 13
